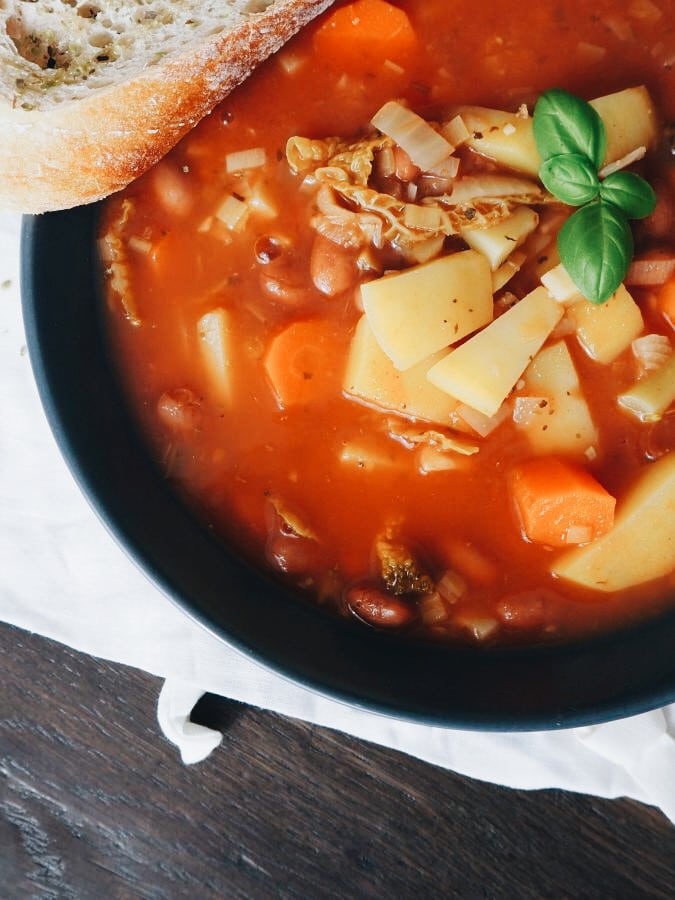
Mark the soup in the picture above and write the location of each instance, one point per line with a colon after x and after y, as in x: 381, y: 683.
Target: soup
x: 341, y: 318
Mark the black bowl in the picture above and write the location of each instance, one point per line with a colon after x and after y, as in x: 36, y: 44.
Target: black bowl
x: 497, y: 689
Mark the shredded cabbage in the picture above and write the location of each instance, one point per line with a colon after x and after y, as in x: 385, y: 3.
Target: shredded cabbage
x: 352, y: 213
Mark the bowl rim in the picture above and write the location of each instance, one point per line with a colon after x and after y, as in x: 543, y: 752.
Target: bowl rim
x: 611, y: 676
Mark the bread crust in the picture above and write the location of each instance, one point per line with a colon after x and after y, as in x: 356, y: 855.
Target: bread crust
x: 80, y: 151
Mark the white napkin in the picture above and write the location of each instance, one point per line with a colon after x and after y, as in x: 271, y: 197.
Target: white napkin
x: 61, y: 575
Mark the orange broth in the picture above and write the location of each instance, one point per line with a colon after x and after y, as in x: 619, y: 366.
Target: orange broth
x: 242, y: 460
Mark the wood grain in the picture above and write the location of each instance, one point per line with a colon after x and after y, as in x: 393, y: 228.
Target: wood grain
x: 95, y: 803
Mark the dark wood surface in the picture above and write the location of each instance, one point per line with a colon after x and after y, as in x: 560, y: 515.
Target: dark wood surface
x: 94, y: 803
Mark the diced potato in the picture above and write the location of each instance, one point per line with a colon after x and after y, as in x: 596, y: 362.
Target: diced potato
x: 629, y: 118
x: 497, y: 242
x: 559, y: 420
x: 650, y: 397
x: 484, y: 369
x: 630, y: 121
x: 552, y: 371
x: 214, y: 333
x: 370, y: 376
x: 641, y: 545
x: 502, y: 136
x: 605, y: 330
x: 418, y: 311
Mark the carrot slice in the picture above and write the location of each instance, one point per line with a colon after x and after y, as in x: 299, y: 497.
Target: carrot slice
x: 365, y: 33
x: 558, y: 503
x: 302, y: 363
x: 666, y: 301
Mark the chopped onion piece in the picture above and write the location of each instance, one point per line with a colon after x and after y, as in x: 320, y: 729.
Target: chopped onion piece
x: 393, y: 67
x: 253, y: 158
x: 140, y: 245
x: 619, y: 26
x: 481, y: 423
x: 645, y: 10
x: 634, y: 156
x: 560, y: 286
x: 384, y: 162
x: 433, y: 610
x: 448, y: 168
x: 423, y: 144
x: 473, y: 187
x: 290, y: 62
x: 430, y: 459
x: 589, y: 54
x: 651, y: 351
x: 451, y: 586
x: 424, y: 218
x: 233, y: 213
x: 480, y: 627
x: 456, y: 131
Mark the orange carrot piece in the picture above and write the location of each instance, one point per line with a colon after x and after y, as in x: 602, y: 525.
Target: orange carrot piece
x: 666, y: 301
x: 364, y: 33
x: 558, y: 503
x: 302, y: 363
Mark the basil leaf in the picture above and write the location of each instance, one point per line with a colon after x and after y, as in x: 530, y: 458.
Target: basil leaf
x: 564, y: 123
x: 571, y: 178
x: 630, y: 193
x: 596, y: 247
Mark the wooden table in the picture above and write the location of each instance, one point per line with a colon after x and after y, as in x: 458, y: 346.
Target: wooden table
x: 94, y: 803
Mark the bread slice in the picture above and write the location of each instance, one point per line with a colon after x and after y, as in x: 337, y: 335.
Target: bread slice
x: 93, y: 92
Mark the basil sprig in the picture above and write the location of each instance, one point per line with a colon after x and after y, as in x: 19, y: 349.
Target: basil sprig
x: 596, y: 242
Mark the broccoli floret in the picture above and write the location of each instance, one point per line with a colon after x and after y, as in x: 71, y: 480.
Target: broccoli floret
x: 400, y: 571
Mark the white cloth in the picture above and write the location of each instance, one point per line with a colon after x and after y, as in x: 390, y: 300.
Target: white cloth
x: 62, y: 576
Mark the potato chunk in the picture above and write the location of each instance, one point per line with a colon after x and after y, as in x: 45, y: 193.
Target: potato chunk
x: 419, y: 311
x: 606, y: 330
x: 640, y: 547
x: 650, y: 397
x: 370, y: 376
x: 553, y: 412
x: 498, y: 242
x: 630, y: 121
x: 505, y: 137
x: 484, y: 369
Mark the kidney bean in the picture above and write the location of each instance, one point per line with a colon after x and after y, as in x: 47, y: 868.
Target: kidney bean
x: 288, y: 550
x: 659, y: 225
x: 291, y: 553
x: 332, y: 267
x: 281, y: 280
x: 376, y: 607
x: 269, y: 248
x: 405, y: 168
x: 526, y: 609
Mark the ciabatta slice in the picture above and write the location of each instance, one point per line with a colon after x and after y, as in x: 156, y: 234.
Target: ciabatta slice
x: 93, y: 93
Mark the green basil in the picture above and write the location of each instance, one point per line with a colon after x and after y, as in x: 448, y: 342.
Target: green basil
x: 631, y: 193
x: 596, y: 248
x: 571, y: 178
x: 596, y: 243
x: 564, y: 123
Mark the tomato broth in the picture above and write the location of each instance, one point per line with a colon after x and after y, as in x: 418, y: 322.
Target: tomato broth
x: 233, y: 317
